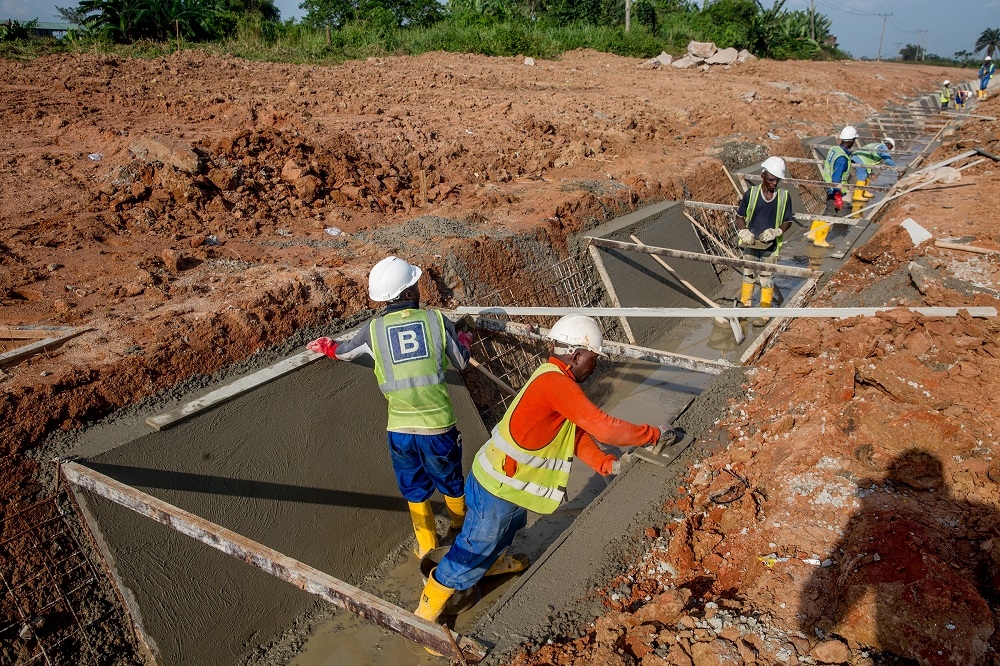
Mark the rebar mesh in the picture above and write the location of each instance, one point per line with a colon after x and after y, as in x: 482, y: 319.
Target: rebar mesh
x: 53, y: 608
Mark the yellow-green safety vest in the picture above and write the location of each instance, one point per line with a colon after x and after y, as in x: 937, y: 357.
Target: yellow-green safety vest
x: 831, y: 157
x: 946, y: 95
x: 539, y: 484
x: 868, y: 155
x: 778, y: 219
x: 410, y: 362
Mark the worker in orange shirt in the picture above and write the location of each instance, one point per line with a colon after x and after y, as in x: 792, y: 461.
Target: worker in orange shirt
x: 525, y: 465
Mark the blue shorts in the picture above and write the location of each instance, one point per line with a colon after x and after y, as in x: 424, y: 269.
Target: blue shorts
x: 424, y: 463
x: 490, y: 526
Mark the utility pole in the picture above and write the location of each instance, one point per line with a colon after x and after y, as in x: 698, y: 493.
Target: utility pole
x: 920, y: 51
x: 628, y: 15
x: 898, y: 50
x: 812, y: 17
x: 885, y: 17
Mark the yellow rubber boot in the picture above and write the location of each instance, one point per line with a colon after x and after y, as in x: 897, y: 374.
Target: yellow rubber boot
x: 859, y: 191
x: 432, y: 602
x: 817, y: 233
x: 422, y: 516
x: 766, y: 294
x: 456, y: 511
x: 508, y: 564
x: 865, y: 193
x: 746, y: 294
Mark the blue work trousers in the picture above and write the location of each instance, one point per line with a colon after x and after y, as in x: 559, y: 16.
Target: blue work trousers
x: 425, y: 462
x: 490, y: 526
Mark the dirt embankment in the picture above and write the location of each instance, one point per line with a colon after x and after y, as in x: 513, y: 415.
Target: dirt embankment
x: 855, y: 511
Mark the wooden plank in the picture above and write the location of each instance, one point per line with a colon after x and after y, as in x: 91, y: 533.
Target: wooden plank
x: 705, y: 258
x: 17, y: 355
x: 32, y: 332
x: 804, y: 217
x: 739, y: 192
x: 818, y: 183
x: 510, y: 390
x: 702, y: 313
x: 876, y: 206
x: 965, y: 248
x: 613, y: 349
x: 734, y: 323
x: 873, y: 167
x: 595, y: 256
x: 776, y: 325
x: 302, y: 576
x: 956, y: 114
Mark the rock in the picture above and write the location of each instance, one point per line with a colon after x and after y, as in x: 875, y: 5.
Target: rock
x: 292, y: 170
x: 705, y: 68
x: 174, y: 260
x: 744, y: 56
x: 292, y: 88
x: 724, y: 57
x: 702, y: 655
x: 677, y: 657
x: 831, y: 652
x: 222, y: 178
x: 168, y: 150
x: 661, y: 60
x: 702, y: 49
x: 687, y: 62
x: 308, y: 188
x: 664, y: 608
x: 529, y: 62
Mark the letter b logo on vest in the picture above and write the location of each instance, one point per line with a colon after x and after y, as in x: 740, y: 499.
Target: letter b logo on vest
x: 407, y: 342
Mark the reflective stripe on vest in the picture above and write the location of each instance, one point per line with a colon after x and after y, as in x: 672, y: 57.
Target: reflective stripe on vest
x: 410, y: 368
x: 831, y: 157
x: 755, y: 192
x: 539, y: 483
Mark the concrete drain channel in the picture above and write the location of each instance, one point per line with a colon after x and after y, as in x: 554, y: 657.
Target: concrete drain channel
x: 287, y: 470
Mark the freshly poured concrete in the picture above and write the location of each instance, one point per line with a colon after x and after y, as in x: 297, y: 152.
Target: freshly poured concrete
x: 300, y: 465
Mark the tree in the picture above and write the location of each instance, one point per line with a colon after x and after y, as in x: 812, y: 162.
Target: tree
x: 911, y: 52
x: 989, y: 41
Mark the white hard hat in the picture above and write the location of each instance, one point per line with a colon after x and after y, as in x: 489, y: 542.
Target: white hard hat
x: 390, y: 277
x: 848, y: 133
x: 947, y: 82
x: 889, y: 142
x: 774, y: 166
x: 988, y: 58
x: 576, y: 332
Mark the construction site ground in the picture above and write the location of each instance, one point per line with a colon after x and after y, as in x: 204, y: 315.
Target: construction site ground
x: 195, y: 211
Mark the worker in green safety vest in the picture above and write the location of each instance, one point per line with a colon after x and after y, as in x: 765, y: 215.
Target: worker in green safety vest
x: 412, y: 348
x: 870, y: 155
x: 836, y: 170
x: 945, y: 97
x: 762, y: 218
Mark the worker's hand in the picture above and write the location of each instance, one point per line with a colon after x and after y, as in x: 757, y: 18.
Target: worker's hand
x: 668, y: 436
x: 465, y: 339
x: 838, y: 201
x: 323, y: 346
x: 769, y: 235
x: 745, y: 236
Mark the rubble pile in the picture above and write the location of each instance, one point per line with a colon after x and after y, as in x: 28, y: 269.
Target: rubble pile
x: 702, y: 55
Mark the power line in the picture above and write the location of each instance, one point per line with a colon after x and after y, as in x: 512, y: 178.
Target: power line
x: 843, y: 10
x: 884, y: 18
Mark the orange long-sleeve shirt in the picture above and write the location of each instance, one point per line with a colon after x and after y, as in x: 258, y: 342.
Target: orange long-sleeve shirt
x: 556, y: 397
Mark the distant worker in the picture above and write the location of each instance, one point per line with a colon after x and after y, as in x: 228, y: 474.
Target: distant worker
x: 762, y: 218
x: 525, y: 465
x: 836, y: 170
x: 985, y: 74
x: 946, y: 94
x: 961, y: 97
x: 870, y: 155
x: 412, y: 347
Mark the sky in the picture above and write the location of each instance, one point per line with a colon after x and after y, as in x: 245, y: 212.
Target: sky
x: 951, y: 25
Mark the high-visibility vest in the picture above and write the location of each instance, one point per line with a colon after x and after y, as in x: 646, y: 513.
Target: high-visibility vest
x: 827, y: 168
x: 946, y: 95
x: 539, y: 484
x: 869, y: 153
x: 409, y: 365
x: 778, y: 218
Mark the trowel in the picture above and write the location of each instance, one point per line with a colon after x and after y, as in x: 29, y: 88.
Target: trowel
x: 664, y: 453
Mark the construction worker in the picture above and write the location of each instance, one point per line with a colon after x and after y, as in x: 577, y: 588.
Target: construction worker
x: 412, y: 347
x: 985, y: 74
x: 869, y: 155
x: 836, y: 171
x: 525, y: 465
x: 961, y: 97
x: 762, y: 218
x: 945, y: 97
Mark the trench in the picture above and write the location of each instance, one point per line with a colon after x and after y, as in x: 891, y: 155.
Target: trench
x: 300, y: 465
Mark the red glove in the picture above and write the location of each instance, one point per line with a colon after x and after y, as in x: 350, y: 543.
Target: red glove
x: 465, y: 339
x: 838, y: 201
x: 323, y: 346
